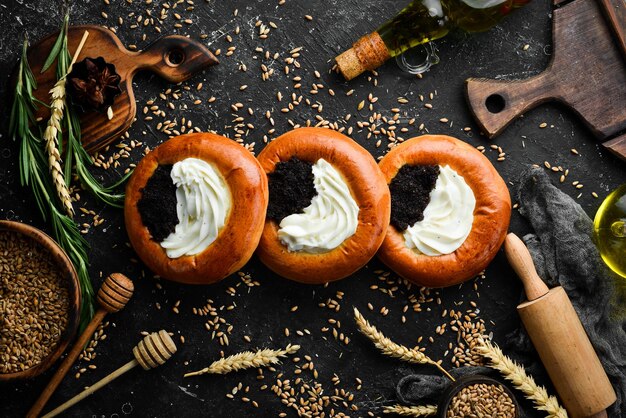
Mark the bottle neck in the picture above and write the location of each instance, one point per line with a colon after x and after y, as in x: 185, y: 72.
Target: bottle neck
x: 420, y: 22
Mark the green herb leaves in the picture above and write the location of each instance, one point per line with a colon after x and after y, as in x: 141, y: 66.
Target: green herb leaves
x: 75, y: 154
x: 58, y: 44
x: 35, y: 156
x: 34, y: 174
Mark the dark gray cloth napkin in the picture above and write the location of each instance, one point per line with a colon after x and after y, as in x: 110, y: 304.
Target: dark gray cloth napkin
x: 564, y: 254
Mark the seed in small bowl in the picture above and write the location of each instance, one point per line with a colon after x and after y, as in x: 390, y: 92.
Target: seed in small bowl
x: 478, y: 396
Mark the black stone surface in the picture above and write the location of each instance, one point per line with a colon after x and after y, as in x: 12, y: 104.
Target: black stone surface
x: 263, y: 312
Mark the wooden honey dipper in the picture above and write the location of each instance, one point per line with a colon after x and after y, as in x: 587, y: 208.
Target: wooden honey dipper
x: 560, y: 339
x: 113, y: 295
x: 154, y: 350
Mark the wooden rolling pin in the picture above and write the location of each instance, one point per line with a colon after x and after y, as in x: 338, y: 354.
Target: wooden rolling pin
x: 154, y: 350
x: 560, y: 340
x: 115, y: 292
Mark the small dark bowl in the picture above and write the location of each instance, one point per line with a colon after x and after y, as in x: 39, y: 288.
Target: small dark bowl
x: 469, y: 380
x: 67, y: 268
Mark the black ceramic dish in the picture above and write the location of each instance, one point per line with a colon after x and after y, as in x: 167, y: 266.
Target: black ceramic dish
x: 465, y: 381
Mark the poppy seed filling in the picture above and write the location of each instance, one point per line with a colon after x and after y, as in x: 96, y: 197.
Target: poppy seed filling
x: 157, y: 205
x: 291, y: 188
x: 410, y: 194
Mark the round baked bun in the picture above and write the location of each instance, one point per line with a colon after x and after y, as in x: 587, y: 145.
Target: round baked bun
x: 367, y: 187
x: 492, y: 213
x: 237, y: 239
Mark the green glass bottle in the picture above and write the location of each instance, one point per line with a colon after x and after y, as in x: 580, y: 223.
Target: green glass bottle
x: 419, y: 23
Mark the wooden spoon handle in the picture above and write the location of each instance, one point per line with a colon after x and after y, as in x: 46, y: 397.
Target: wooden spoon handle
x: 495, y: 104
x: 35, y: 410
x: 521, y: 261
x: 92, y: 389
x: 175, y: 58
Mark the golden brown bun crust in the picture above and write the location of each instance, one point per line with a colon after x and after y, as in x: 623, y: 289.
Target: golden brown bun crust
x: 491, y: 215
x: 238, y: 238
x: 367, y: 186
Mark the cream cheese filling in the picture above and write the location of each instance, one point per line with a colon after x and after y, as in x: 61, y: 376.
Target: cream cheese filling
x: 330, y: 219
x: 448, y: 217
x: 203, y: 203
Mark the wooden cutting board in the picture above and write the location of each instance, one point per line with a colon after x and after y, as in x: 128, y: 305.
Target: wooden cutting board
x: 175, y: 58
x: 587, y: 73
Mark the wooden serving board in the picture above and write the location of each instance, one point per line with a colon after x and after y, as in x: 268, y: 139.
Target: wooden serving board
x: 587, y: 73
x: 173, y: 57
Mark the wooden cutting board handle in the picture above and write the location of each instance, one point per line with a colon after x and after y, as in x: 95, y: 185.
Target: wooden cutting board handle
x: 497, y: 103
x: 587, y: 73
x: 173, y: 57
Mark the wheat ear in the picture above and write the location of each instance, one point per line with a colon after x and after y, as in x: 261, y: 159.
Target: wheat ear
x: 516, y: 374
x: 246, y: 360
x: 389, y: 348
x: 411, y: 411
x: 51, y: 134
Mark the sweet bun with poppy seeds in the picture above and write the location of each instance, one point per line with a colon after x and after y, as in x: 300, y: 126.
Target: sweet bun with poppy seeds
x: 450, y: 211
x: 329, y: 206
x: 195, y: 208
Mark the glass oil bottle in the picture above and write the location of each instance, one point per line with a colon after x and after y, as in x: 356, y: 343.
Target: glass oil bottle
x: 610, y: 230
x: 419, y: 23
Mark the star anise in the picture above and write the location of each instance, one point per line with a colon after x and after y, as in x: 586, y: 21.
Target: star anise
x: 93, y: 84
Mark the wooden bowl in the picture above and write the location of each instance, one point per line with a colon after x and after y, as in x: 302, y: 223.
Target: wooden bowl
x: 464, y: 381
x: 68, y: 271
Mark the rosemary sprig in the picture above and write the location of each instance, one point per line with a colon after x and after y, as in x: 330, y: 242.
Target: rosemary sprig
x: 34, y: 174
x: 75, y: 153
x: 33, y: 164
x: 56, y: 48
x: 106, y: 194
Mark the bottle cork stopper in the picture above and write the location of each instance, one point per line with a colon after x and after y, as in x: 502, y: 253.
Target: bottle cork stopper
x: 115, y: 292
x: 154, y: 350
x: 349, y: 64
x: 368, y: 53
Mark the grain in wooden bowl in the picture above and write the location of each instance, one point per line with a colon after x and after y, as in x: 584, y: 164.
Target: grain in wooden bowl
x: 39, y: 301
x: 478, y: 396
